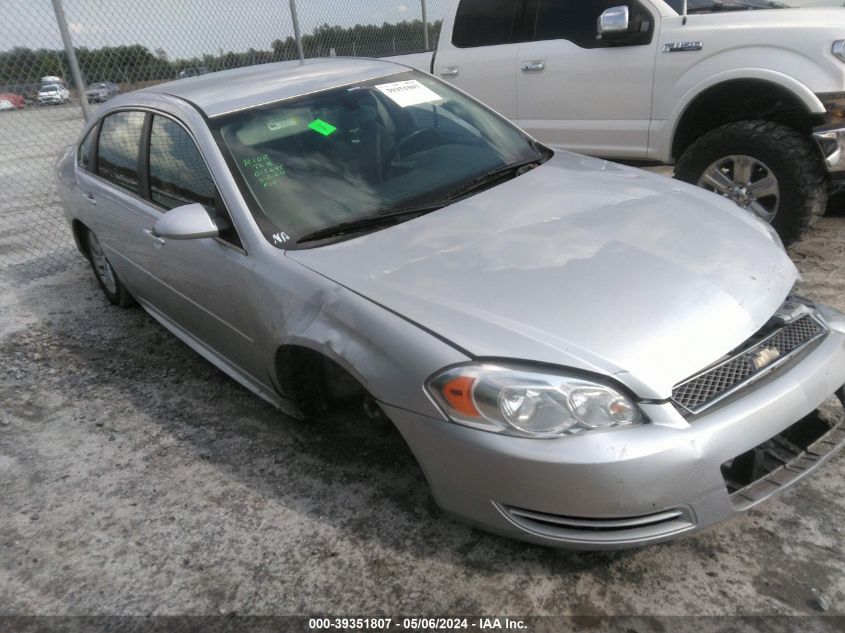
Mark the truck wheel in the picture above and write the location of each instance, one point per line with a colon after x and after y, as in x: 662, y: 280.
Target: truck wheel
x: 764, y: 167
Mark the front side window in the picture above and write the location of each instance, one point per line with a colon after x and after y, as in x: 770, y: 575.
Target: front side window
x: 577, y: 21
x: 118, y: 149
x: 487, y: 23
x: 84, y: 154
x: 361, y: 152
x: 178, y: 174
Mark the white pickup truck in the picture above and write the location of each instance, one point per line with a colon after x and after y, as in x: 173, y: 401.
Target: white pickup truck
x: 744, y: 97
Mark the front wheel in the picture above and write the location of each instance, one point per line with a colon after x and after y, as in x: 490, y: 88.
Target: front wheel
x: 767, y: 168
x: 107, y: 278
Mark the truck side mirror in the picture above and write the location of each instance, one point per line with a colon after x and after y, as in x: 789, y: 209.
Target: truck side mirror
x: 614, y: 21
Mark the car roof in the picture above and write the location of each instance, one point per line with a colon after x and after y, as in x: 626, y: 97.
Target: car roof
x: 232, y: 90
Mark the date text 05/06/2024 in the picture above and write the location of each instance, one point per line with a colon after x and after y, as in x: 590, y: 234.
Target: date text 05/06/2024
x: 417, y: 623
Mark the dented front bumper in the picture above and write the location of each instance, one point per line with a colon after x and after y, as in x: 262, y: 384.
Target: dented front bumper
x: 631, y: 486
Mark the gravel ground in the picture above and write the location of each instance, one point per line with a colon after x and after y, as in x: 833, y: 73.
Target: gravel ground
x: 137, y: 479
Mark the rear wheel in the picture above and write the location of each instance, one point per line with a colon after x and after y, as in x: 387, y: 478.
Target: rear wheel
x: 106, y: 276
x: 769, y: 169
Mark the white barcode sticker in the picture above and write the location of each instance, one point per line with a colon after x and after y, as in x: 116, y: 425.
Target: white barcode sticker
x: 409, y: 93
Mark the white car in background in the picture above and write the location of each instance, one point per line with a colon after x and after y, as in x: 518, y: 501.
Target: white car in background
x: 53, y: 94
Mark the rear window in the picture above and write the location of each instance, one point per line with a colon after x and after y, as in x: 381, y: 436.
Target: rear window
x: 486, y: 23
x: 118, y: 148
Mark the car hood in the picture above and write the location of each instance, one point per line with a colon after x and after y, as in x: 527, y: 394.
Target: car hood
x: 581, y: 263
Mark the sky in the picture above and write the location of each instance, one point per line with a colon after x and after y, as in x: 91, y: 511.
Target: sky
x: 185, y: 28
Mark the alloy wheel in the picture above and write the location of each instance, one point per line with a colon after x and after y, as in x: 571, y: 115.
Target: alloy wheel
x: 102, y: 267
x: 747, y: 181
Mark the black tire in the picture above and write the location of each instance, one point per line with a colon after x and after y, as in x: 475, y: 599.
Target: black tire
x: 104, y: 273
x: 791, y: 157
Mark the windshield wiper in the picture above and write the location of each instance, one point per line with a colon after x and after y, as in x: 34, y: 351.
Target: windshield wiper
x: 394, y: 216
x: 361, y: 225
x: 489, y: 178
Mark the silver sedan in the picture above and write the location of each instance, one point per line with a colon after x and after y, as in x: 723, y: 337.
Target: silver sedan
x: 578, y: 353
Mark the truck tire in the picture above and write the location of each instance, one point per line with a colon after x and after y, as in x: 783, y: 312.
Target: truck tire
x: 765, y: 167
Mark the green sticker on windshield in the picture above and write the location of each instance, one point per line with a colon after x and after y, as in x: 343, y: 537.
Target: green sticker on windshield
x: 321, y: 127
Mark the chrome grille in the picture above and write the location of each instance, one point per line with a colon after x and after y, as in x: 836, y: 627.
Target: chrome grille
x: 713, y: 384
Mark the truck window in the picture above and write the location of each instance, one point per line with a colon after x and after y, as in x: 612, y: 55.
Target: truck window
x: 487, y: 23
x: 577, y: 22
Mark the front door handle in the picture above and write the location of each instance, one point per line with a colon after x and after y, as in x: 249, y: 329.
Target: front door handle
x: 534, y: 66
x: 449, y: 71
x: 159, y: 242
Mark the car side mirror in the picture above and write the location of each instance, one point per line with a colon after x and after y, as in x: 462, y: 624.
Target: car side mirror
x: 614, y: 22
x: 188, y: 222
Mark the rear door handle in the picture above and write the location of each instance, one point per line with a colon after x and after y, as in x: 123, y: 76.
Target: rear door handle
x: 534, y: 67
x: 159, y: 242
x: 449, y: 71
x: 90, y: 197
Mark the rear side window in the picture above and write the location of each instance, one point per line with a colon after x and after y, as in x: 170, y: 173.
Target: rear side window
x: 84, y: 157
x: 486, y: 23
x: 119, y: 147
x: 577, y: 22
x: 178, y: 174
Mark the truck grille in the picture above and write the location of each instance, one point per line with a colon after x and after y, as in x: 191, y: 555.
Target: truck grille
x: 718, y: 381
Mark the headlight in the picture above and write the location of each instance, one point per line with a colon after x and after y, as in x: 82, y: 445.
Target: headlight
x: 527, y: 403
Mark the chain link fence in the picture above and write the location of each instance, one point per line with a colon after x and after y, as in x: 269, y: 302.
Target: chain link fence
x: 393, y: 28
x: 123, y: 45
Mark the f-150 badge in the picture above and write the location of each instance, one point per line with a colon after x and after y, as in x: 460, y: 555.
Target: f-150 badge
x: 680, y: 47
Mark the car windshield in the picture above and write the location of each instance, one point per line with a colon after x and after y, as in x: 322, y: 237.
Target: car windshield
x: 97, y: 86
x: 49, y: 89
x: 714, y: 6
x: 366, y: 151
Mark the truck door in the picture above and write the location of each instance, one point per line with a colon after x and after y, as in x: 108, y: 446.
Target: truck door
x: 481, y: 55
x: 588, y: 94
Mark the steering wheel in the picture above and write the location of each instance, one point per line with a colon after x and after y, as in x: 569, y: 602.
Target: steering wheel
x: 426, y: 137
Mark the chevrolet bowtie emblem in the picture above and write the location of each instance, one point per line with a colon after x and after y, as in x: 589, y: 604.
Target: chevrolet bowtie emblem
x: 764, y: 357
